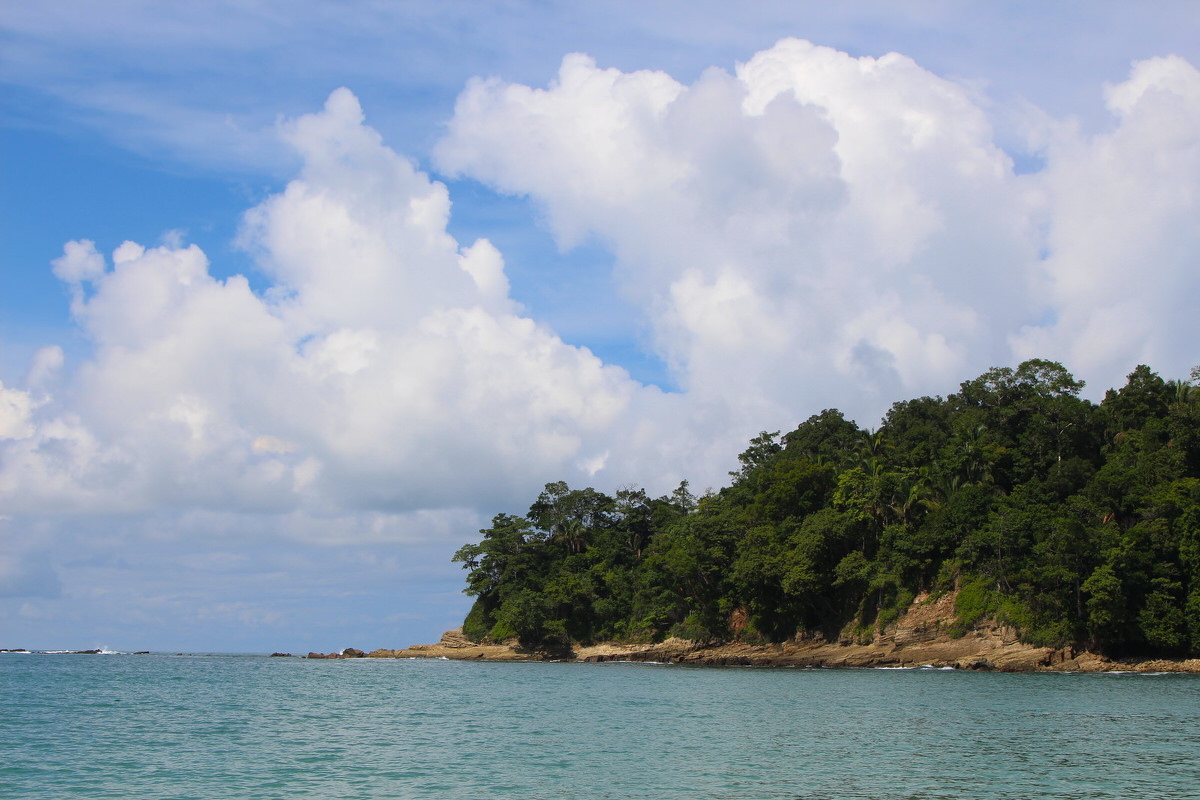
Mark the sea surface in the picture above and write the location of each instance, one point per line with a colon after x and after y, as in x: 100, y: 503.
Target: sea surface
x: 230, y: 726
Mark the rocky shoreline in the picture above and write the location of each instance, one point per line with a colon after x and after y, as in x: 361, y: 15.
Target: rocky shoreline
x: 919, y: 638
x: 984, y: 651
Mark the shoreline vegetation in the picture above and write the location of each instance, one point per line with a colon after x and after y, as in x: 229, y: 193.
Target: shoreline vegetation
x: 1012, y: 526
x: 920, y: 638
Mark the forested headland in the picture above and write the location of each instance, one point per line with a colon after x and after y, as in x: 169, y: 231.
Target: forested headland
x: 1075, y: 523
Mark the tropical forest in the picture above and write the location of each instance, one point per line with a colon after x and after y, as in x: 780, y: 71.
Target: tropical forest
x: 1073, y: 522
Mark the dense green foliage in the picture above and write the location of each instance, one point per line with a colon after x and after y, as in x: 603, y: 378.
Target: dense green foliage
x: 1074, y: 522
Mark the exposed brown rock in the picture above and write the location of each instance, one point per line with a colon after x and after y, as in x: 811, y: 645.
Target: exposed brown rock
x: 382, y: 653
x: 455, y: 639
x: 454, y: 645
x: 920, y: 637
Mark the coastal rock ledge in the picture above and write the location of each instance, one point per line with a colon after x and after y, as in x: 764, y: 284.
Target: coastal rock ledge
x: 987, y: 652
x: 921, y: 637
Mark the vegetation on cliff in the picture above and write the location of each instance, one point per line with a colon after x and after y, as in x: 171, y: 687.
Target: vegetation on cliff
x: 1074, y: 522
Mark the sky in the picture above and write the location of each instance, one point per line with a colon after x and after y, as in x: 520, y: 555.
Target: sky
x: 296, y: 296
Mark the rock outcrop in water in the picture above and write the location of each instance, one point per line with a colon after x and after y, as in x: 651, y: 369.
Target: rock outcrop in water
x: 349, y: 652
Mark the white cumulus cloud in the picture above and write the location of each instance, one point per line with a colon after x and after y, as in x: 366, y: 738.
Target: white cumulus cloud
x: 1122, y: 277
x: 384, y: 368
x: 819, y: 230
x: 813, y: 230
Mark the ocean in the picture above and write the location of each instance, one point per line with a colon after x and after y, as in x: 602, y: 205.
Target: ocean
x: 237, y: 726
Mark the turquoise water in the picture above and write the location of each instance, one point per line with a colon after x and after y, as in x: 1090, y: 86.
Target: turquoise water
x: 162, y: 726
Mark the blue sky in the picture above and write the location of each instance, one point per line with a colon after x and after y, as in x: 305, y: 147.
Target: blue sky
x: 397, y: 265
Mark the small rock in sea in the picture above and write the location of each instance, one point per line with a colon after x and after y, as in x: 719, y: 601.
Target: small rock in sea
x: 281, y: 655
x: 351, y: 652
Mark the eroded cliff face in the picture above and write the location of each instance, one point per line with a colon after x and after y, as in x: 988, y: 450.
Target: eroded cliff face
x: 920, y: 637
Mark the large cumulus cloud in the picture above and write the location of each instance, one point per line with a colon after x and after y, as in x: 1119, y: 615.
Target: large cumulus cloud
x: 818, y: 227
x: 821, y: 230
x: 384, y: 368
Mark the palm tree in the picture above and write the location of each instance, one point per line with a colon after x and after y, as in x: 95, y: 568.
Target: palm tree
x: 911, y: 494
x: 573, y: 533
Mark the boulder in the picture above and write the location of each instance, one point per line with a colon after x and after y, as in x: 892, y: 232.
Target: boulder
x: 976, y: 663
x: 455, y: 639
